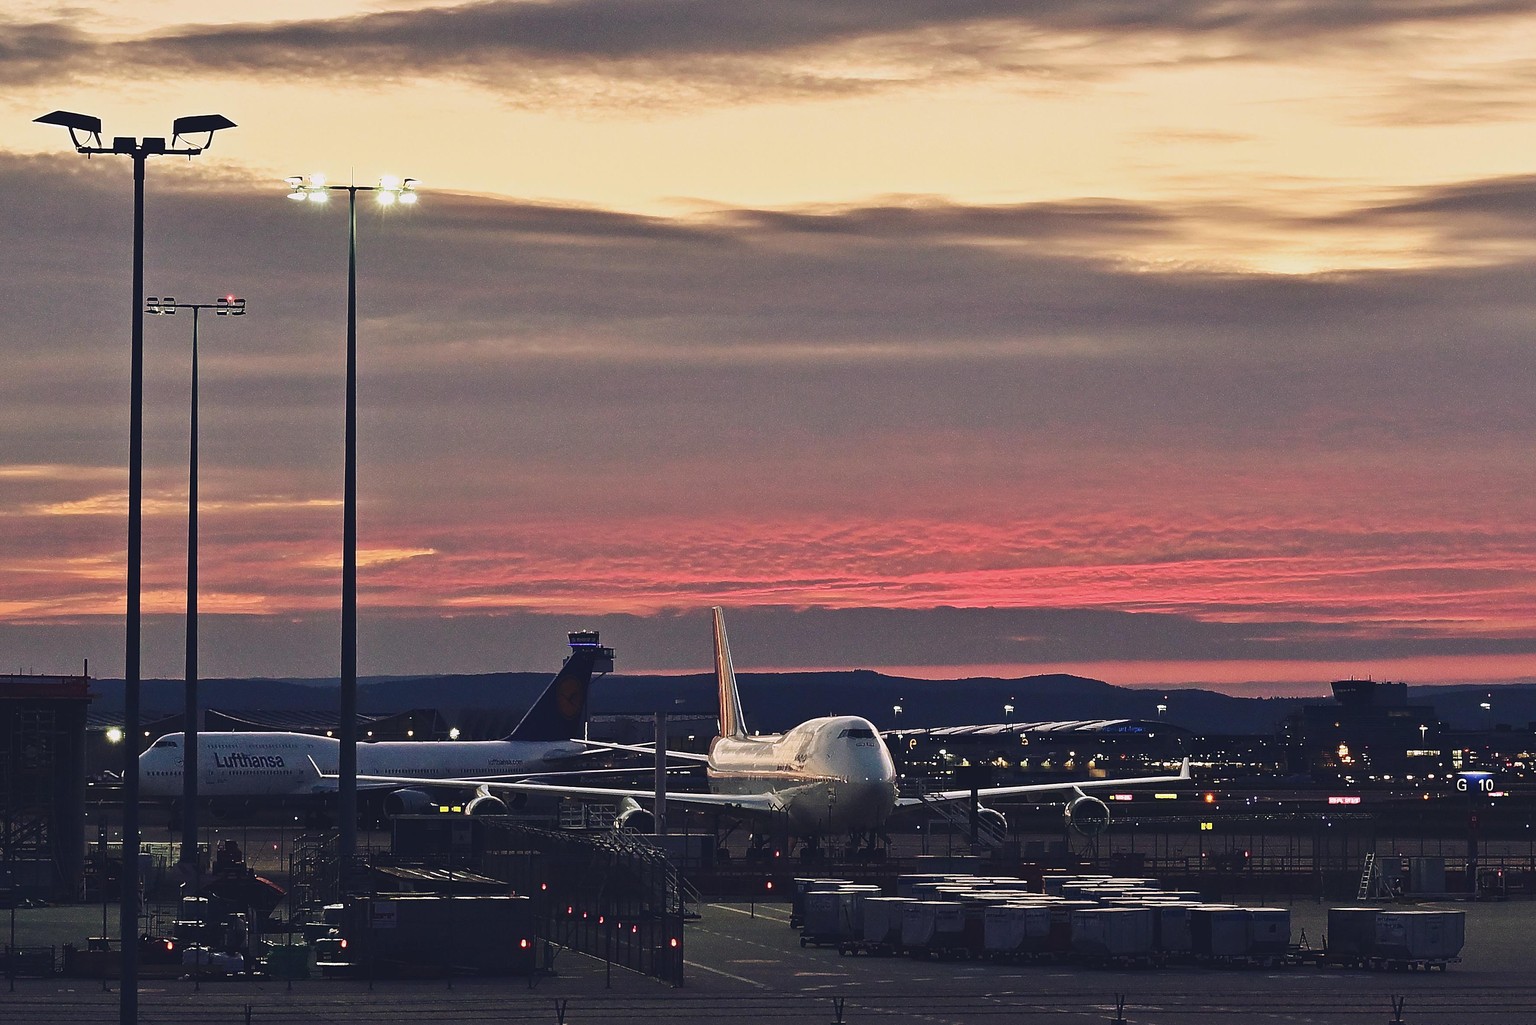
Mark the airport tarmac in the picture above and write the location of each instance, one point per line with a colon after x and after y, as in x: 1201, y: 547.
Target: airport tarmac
x: 744, y: 964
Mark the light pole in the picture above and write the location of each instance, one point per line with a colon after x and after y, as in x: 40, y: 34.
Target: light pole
x: 85, y: 134
x: 389, y: 192
x: 191, y: 865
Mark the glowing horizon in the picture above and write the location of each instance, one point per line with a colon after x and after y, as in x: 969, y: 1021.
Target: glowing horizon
x: 1191, y: 343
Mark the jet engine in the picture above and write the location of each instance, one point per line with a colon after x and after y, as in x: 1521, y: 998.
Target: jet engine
x: 408, y: 802
x: 1086, y: 815
x: 485, y: 804
x: 634, y: 818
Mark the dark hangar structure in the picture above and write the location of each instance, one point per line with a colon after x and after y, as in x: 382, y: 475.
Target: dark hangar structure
x: 42, y: 784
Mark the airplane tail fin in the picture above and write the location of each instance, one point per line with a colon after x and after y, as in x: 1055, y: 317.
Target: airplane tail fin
x: 559, y: 712
x: 731, y: 723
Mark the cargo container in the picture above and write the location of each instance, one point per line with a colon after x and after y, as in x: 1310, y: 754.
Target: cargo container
x: 1016, y: 931
x: 1419, y: 936
x: 1112, y: 933
x: 1394, y: 939
x: 1218, y: 932
x: 1171, y: 936
x: 879, y: 927
x: 1426, y: 875
x: 1351, y: 933
x: 804, y: 885
x: 1269, y: 932
x: 827, y: 918
x: 933, y: 927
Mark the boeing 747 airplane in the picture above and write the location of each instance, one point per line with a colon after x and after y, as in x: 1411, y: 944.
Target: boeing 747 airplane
x: 256, y: 765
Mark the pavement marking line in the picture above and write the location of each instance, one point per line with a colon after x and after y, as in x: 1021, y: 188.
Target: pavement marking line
x: 728, y: 975
x: 761, y: 913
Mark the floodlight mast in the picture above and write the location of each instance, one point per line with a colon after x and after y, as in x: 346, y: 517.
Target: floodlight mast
x: 140, y: 150
x: 389, y: 191
x: 189, y: 862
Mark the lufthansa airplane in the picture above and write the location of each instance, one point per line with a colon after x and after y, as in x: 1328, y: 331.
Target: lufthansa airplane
x: 256, y: 765
x: 825, y: 776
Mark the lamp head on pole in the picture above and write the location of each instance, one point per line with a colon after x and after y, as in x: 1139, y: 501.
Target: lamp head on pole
x: 199, y: 124
x: 85, y: 133
x: 312, y: 188
x: 76, y: 123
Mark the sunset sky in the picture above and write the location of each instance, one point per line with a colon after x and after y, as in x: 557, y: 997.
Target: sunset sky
x: 1168, y: 343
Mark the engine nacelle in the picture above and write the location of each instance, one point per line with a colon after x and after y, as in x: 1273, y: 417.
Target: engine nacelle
x: 1087, y: 816
x: 408, y: 802
x: 634, y: 818
x: 486, y: 804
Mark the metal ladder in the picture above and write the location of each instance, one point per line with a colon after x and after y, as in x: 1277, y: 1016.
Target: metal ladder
x: 1371, y: 883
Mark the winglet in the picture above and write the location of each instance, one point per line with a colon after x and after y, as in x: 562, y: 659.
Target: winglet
x: 731, y: 723
x: 1184, y: 769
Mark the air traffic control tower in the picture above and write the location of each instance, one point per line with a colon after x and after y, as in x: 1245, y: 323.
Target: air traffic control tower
x: 42, y: 784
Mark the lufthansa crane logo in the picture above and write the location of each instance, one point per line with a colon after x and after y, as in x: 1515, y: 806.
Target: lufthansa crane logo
x: 568, y: 697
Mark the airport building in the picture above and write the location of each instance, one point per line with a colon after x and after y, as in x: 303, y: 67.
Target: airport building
x: 1038, y: 751
x: 42, y: 783
x: 1370, y: 733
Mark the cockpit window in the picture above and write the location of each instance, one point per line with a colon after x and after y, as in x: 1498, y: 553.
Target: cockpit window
x: 858, y: 734
x: 166, y: 742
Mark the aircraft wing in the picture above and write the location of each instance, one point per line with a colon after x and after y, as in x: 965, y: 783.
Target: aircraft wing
x: 765, y: 802
x: 366, y: 781
x: 743, y: 802
x: 643, y: 749
x: 1046, y: 788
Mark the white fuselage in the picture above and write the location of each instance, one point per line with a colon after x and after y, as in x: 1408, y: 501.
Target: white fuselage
x: 829, y: 775
x: 285, y: 764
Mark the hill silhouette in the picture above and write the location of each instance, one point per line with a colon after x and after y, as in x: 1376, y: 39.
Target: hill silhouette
x: 773, y: 701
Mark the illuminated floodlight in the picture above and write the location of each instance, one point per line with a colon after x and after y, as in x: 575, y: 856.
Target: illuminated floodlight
x: 312, y: 188
x: 390, y: 190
